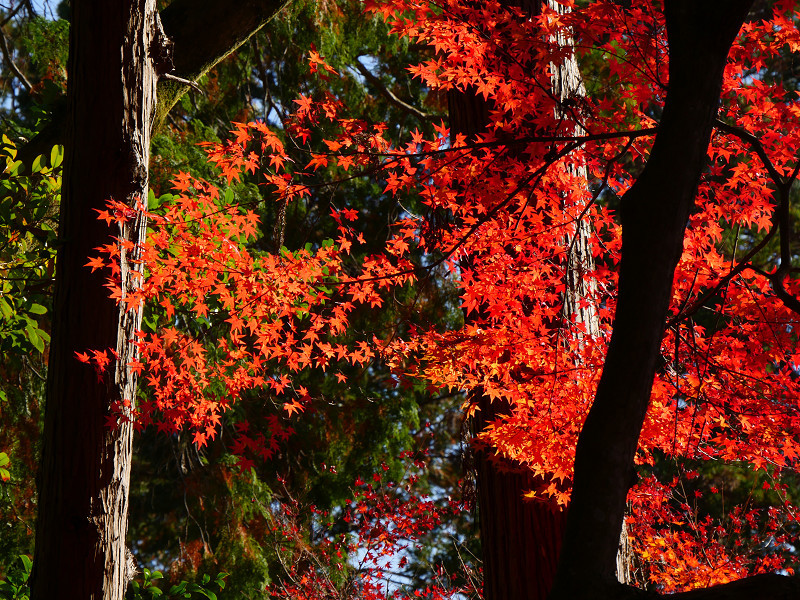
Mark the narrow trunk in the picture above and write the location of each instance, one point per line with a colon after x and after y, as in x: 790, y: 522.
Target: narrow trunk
x: 85, y: 469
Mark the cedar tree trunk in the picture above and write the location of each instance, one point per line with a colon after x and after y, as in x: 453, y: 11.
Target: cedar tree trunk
x: 85, y: 469
x: 118, y: 49
x: 521, y: 540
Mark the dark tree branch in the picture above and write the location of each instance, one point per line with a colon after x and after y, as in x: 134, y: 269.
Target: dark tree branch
x: 10, y: 61
x: 755, y: 144
x: 11, y: 15
x: 204, y: 32
x: 743, y: 264
x: 781, y: 218
x: 759, y: 587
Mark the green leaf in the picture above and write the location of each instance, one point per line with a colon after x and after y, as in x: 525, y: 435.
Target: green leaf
x: 5, y: 309
x: 15, y: 168
x: 56, y: 156
x: 37, y: 164
x: 154, y: 590
x: 177, y: 589
x: 220, y: 580
x: 38, y: 309
x: 33, y: 336
x: 228, y: 196
x: 4, y: 459
x: 27, y: 563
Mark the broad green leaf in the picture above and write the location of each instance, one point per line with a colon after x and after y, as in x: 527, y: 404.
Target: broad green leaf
x: 56, y: 156
x: 177, y: 589
x: 15, y: 168
x: 38, y: 309
x: 5, y: 309
x: 27, y: 563
x: 33, y: 336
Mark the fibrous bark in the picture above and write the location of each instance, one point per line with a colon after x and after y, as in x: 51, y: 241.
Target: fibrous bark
x: 85, y: 469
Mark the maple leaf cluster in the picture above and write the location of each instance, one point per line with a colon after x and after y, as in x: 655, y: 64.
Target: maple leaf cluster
x: 510, y: 201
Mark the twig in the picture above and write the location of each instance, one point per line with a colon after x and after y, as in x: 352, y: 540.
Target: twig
x: 181, y: 80
x: 7, y: 55
x: 391, y: 96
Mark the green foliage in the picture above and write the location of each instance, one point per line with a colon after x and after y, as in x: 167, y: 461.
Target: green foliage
x: 148, y: 589
x: 15, y: 585
x: 38, y: 48
x: 46, y: 42
x: 193, y: 510
x: 28, y: 208
x: 29, y: 203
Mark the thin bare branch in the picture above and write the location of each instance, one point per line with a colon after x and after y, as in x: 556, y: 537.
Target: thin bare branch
x: 391, y: 96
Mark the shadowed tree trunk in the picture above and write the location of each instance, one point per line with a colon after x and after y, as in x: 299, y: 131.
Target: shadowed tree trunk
x: 521, y: 540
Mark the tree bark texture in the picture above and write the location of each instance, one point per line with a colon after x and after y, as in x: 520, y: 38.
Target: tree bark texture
x: 654, y: 215
x: 85, y: 469
x: 203, y: 33
x: 521, y: 540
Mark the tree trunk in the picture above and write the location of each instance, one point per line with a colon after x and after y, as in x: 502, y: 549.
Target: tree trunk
x: 654, y: 215
x: 521, y: 539
x: 85, y: 469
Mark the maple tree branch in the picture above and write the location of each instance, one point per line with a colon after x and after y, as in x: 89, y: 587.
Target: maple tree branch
x: 396, y: 156
x: 743, y: 264
x: 781, y: 217
x: 536, y: 175
x: 755, y: 144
